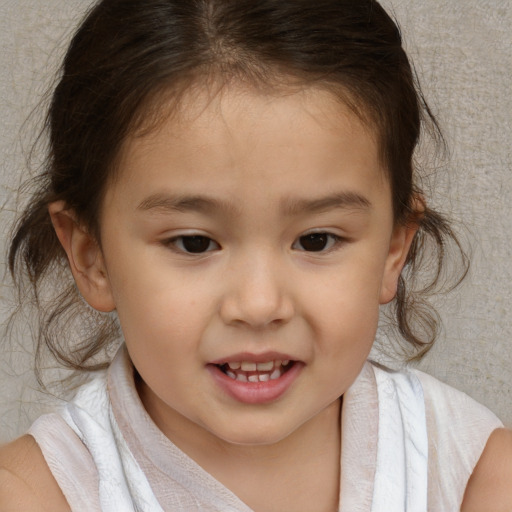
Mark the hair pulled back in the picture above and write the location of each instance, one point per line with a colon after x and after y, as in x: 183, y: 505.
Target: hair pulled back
x: 129, y: 53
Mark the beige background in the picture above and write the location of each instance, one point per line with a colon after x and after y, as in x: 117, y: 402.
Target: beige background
x: 462, y: 51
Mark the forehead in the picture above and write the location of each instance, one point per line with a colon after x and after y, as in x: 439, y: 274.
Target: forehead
x: 239, y: 140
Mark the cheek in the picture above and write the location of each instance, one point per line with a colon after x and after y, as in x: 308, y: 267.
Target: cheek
x: 160, y: 312
x: 163, y: 315
x: 349, y: 326
x: 346, y: 306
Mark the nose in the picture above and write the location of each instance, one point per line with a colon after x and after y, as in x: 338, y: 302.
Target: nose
x: 257, y: 293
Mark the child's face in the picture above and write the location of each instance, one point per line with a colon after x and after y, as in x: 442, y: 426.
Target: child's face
x: 250, y: 229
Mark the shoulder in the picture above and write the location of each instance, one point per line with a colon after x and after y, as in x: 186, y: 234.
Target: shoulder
x: 26, y: 482
x: 489, y: 488
x: 447, y: 407
x: 458, y: 428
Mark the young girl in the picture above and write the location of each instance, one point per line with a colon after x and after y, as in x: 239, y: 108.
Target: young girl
x: 234, y: 179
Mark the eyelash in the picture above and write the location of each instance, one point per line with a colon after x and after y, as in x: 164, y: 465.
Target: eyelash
x: 177, y: 244
x: 328, y: 243
x: 327, y: 237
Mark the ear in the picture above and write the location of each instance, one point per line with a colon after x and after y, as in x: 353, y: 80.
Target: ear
x: 84, y: 256
x: 401, y: 240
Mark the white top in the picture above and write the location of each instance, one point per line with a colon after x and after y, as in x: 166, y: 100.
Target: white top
x: 409, y: 443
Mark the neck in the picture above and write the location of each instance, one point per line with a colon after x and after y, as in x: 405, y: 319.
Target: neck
x: 299, y: 472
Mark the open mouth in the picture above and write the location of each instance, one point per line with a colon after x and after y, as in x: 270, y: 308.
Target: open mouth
x: 248, y: 371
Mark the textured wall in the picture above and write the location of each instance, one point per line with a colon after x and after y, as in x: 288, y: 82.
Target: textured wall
x: 462, y: 51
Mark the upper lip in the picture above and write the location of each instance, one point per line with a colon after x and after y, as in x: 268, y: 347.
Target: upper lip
x: 255, y: 358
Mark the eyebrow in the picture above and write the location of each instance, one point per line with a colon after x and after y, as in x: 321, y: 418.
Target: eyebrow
x: 198, y: 203
x: 165, y: 203
x: 342, y: 200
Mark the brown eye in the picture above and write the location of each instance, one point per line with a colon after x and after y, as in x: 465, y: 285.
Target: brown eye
x: 316, y: 242
x: 195, y: 244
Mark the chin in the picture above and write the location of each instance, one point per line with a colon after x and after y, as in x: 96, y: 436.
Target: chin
x: 264, y: 435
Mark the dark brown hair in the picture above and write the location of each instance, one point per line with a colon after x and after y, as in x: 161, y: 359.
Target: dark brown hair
x: 128, y: 55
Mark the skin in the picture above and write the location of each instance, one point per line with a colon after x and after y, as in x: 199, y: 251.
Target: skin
x: 269, y: 170
x: 26, y: 483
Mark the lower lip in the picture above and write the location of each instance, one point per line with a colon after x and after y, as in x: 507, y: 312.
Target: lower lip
x: 256, y: 392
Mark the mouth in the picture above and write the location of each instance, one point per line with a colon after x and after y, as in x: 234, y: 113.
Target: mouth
x: 250, y: 371
x: 256, y: 379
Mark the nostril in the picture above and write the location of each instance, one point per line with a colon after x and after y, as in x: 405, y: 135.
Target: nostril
x: 257, y: 312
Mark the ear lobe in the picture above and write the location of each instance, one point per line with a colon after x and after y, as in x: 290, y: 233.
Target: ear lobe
x: 401, y: 240
x: 84, y: 256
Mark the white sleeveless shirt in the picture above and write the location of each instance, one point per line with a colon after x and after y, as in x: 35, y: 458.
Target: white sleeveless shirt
x: 409, y: 444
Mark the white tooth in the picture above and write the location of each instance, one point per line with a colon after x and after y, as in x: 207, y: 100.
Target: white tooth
x: 231, y: 374
x: 247, y: 366
x: 265, y: 367
x: 264, y: 377
x: 235, y: 366
x: 275, y: 374
x: 241, y: 377
x: 253, y: 378
x: 286, y: 362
